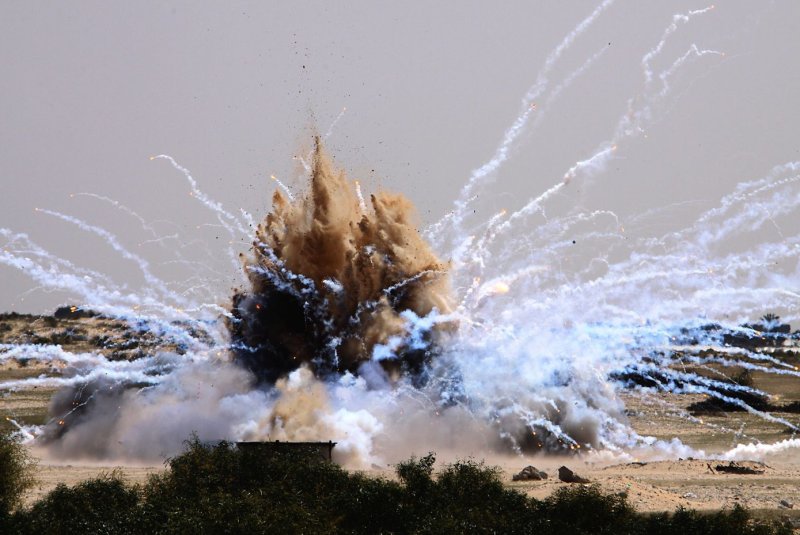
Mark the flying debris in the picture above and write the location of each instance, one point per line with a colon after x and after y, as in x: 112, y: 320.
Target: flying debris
x: 335, y: 286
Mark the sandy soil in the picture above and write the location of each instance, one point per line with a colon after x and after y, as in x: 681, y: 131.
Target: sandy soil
x: 695, y: 484
x: 48, y: 476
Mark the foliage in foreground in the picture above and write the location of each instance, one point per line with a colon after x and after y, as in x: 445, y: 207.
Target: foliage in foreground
x: 220, y: 489
x: 16, y: 473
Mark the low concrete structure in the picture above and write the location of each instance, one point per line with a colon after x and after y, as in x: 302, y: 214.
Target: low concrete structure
x: 324, y: 449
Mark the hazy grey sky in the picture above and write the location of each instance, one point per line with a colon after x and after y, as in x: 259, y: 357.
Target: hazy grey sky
x: 232, y: 90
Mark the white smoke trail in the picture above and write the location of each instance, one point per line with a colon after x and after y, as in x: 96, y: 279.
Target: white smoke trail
x: 113, y: 302
x: 118, y: 205
x: 629, y: 125
x: 283, y: 187
x: 669, y: 30
x: 226, y: 219
x: 112, y: 240
x: 329, y: 131
x: 33, y: 249
x: 517, y: 127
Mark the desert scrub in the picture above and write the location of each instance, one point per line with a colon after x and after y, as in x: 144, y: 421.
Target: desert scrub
x: 102, y: 505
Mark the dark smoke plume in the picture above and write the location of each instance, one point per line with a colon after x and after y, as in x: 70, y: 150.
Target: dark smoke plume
x: 333, y: 279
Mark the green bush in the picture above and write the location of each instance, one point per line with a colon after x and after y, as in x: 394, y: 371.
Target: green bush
x: 579, y: 509
x: 223, y: 489
x: 464, y: 497
x: 737, y: 520
x: 16, y: 473
x: 102, y: 505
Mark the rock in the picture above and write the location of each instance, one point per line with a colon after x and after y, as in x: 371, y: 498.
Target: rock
x: 787, y: 504
x: 568, y: 476
x: 690, y: 495
x: 529, y: 473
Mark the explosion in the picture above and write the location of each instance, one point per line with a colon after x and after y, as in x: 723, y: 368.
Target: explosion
x: 546, y: 327
x: 333, y: 283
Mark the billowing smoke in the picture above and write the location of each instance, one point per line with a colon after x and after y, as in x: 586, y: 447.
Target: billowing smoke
x: 333, y: 282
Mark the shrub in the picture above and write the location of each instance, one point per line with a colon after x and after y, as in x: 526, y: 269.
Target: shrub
x: 580, y: 509
x: 737, y: 520
x: 16, y: 472
x: 102, y: 505
x: 222, y: 489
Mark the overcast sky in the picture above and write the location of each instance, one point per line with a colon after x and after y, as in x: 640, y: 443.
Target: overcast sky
x: 233, y: 90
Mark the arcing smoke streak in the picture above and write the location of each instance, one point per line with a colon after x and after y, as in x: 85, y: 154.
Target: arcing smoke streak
x: 333, y: 125
x: 672, y: 28
x: 226, y: 219
x: 629, y: 125
x: 157, y: 238
x: 433, y: 232
x: 517, y: 127
x: 116, y: 204
x: 30, y: 248
x: 230, y: 223
x: 110, y: 239
x: 283, y: 187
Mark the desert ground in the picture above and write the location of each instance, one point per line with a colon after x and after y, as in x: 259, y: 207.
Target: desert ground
x: 770, y: 489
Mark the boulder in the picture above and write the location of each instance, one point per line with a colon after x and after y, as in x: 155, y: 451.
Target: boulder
x: 568, y: 476
x: 529, y: 473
